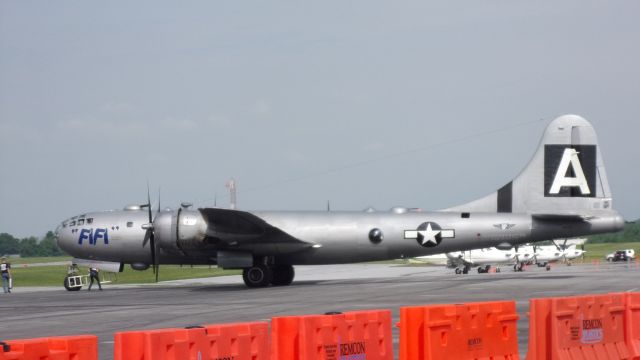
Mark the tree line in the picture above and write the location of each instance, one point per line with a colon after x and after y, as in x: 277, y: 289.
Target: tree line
x: 630, y: 233
x: 30, y: 246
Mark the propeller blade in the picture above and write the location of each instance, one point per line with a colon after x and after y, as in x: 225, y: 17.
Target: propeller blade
x: 158, y: 201
x: 152, y: 245
x: 156, y: 260
x: 147, y: 236
x: 149, y: 204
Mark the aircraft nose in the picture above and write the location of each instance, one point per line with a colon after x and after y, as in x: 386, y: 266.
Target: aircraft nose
x: 56, y: 233
x: 62, y: 237
x: 58, y: 236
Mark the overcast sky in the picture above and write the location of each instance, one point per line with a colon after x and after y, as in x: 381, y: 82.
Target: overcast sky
x: 302, y: 103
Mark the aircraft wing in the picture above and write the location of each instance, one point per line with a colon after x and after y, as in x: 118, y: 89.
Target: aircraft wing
x: 240, y: 229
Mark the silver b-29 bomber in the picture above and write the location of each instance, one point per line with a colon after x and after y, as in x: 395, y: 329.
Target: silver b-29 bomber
x: 563, y: 192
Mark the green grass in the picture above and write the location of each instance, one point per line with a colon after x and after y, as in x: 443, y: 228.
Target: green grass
x: 33, y: 260
x: 54, y: 275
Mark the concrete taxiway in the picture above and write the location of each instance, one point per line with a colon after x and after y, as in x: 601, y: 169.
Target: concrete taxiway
x: 41, y: 312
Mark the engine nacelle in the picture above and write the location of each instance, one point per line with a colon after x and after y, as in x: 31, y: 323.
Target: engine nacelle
x: 181, y: 229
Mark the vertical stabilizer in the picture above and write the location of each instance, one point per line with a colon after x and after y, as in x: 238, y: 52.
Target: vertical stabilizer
x: 566, y: 176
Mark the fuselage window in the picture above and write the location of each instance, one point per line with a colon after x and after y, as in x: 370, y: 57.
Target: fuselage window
x: 130, y: 224
x: 73, y: 223
x: 80, y: 221
x: 90, y: 221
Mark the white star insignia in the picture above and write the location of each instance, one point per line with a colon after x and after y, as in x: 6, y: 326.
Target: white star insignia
x: 429, y: 235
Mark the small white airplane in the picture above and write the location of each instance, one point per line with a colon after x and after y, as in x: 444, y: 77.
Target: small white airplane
x: 483, y: 259
x: 547, y: 254
x: 571, y: 253
x: 544, y: 255
x: 525, y: 255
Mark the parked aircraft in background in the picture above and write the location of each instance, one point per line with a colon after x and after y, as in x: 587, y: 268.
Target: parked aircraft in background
x: 563, y: 192
x: 483, y: 259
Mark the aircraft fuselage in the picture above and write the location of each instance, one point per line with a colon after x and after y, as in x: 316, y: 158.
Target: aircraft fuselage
x: 329, y: 237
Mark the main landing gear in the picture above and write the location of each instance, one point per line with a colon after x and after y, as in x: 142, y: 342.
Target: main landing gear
x: 464, y: 270
x: 518, y: 267
x: 486, y: 269
x: 261, y: 275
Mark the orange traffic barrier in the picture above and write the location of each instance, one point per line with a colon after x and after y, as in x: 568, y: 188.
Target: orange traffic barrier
x: 632, y: 323
x: 248, y: 341
x: 462, y: 331
x: 341, y: 336
x: 229, y: 341
x: 83, y: 347
x: 581, y: 327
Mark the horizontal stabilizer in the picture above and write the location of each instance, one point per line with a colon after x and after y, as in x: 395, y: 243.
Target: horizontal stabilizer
x: 561, y: 217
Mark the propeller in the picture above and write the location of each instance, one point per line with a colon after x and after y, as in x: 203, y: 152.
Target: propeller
x: 149, y: 236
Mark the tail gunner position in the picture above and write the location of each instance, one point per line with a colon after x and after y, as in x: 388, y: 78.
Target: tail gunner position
x: 563, y: 192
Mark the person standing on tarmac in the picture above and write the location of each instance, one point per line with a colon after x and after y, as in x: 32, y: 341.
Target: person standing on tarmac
x: 5, y: 270
x: 93, y: 274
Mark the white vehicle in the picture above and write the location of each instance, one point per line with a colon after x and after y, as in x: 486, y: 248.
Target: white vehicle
x: 622, y: 255
x: 481, y: 258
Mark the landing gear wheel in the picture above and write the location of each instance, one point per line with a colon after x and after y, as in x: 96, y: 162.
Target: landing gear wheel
x: 466, y: 270
x: 257, y: 276
x: 458, y: 271
x: 480, y: 270
x: 70, y: 288
x: 497, y: 269
x: 548, y: 267
x: 282, y: 275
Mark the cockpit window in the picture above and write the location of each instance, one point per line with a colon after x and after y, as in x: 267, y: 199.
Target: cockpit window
x: 130, y: 224
x: 73, y: 223
x: 89, y: 220
x: 80, y: 221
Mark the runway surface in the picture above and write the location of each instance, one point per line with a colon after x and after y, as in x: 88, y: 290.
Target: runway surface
x: 41, y: 312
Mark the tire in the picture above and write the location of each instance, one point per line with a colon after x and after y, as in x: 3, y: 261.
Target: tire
x: 497, y: 269
x: 69, y: 288
x: 465, y: 271
x: 548, y: 267
x: 257, y: 276
x: 458, y: 271
x: 282, y: 275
